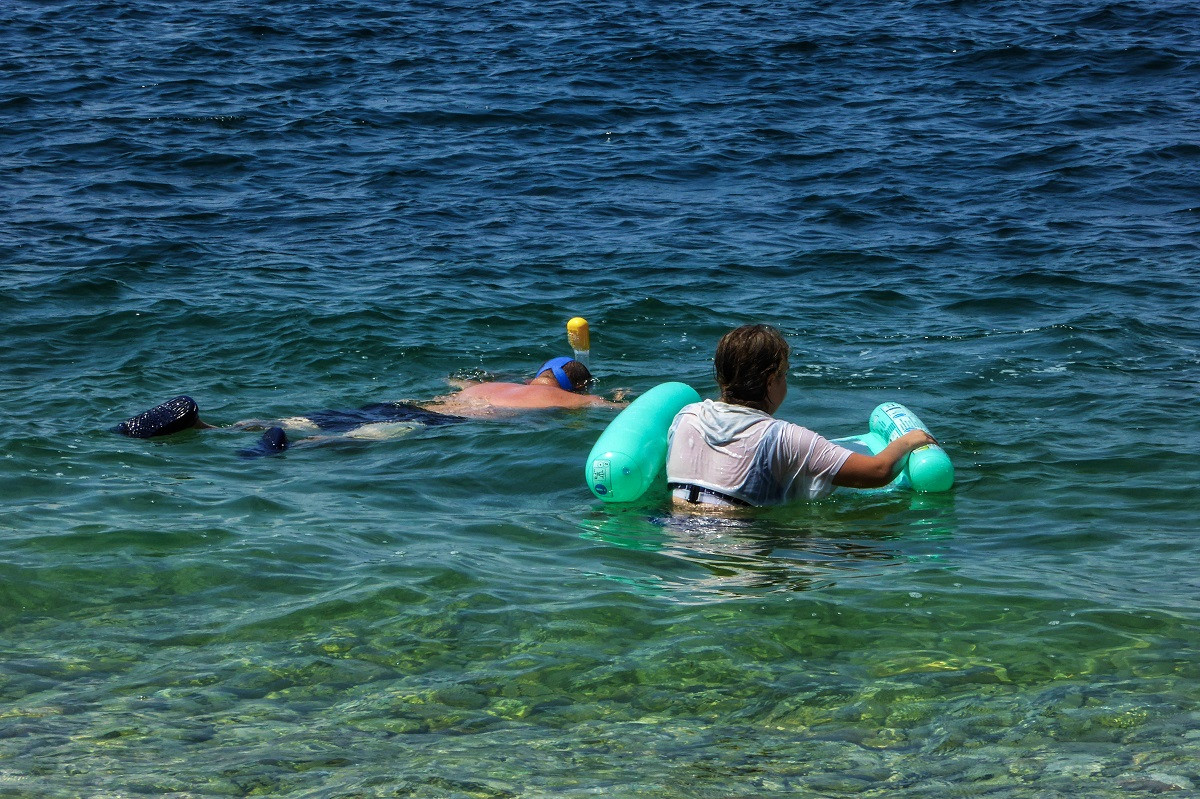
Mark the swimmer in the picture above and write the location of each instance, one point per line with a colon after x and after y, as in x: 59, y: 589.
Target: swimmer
x: 559, y: 383
x: 733, y: 452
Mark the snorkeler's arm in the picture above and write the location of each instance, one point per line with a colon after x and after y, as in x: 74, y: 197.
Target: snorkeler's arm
x: 592, y: 401
x: 873, y: 471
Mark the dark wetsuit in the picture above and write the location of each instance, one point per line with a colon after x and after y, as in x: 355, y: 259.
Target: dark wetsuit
x: 345, y: 421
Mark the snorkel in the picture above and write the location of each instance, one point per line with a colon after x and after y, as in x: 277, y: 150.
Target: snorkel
x: 580, y: 341
x: 578, y: 338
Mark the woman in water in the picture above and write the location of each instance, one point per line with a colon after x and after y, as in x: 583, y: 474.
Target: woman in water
x: 733, y: 452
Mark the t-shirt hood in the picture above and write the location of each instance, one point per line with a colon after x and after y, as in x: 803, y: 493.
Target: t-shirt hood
x: 722, y: 423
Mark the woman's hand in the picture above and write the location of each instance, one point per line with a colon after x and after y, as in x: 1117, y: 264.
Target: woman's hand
x: 915, y: 439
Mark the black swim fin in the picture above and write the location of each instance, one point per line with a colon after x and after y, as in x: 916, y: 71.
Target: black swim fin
x: 272, y: 442
x: 172, y: 416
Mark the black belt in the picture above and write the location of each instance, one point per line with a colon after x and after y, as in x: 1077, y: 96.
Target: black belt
x: 694, y: 492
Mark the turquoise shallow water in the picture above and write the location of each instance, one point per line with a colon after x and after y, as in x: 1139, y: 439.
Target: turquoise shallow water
x: 984, y: 212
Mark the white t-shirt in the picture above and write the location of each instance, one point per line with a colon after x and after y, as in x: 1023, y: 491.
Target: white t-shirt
x: 748, y: 454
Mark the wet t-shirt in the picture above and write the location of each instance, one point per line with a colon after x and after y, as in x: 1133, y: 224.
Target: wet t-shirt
x: 750, y: 455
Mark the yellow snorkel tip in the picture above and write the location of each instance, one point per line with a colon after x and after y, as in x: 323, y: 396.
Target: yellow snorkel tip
x: 579, y: 339
x: 577, y: 334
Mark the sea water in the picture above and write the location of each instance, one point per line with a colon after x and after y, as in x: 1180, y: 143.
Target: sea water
x: 986, y: 211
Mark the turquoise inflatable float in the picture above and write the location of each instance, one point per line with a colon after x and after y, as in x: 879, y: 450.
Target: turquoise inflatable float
x: 927, y: 469
x: 630, y: 456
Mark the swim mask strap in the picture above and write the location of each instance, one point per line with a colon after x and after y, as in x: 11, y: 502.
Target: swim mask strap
x: 555, y: 365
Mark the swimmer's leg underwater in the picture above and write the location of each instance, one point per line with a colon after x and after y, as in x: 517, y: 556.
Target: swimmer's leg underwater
x: 182, y: 413
x: 272, y: 442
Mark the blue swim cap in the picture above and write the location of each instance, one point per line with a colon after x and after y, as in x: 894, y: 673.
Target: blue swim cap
x: 556, y: 365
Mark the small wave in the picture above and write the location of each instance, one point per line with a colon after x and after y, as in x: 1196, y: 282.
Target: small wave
x: 997, y: 305
x: 219, y: 120
x: 1049, y: 279
x: 20, y: 102
x: 795, y: 46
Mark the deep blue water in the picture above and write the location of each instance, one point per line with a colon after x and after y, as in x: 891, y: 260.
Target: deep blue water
x: 984, y: 210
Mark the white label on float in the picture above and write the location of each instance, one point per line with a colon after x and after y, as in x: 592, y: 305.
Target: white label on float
x: 600, y: 471
x: 902, y: 419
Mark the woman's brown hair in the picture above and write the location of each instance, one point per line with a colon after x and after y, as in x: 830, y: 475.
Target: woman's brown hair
x: 748, y: 359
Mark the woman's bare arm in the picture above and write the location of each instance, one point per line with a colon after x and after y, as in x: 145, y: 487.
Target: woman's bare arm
x: 873, y: 471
